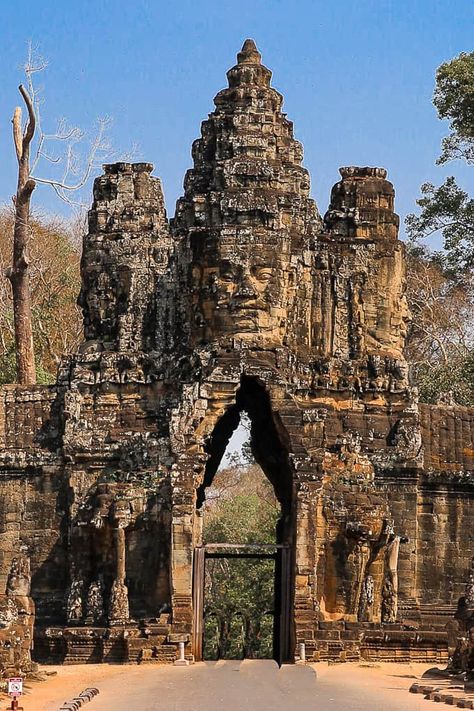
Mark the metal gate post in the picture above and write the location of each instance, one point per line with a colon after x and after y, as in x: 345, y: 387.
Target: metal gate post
x: 198, y: 601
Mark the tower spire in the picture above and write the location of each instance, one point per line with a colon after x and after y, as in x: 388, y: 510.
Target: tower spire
x: 249, y: 53
x: 249, y: 70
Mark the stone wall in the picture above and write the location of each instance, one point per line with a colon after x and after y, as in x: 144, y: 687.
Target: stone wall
x: 445, y: 504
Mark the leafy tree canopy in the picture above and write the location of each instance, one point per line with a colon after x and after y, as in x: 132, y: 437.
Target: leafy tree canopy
x: 454, y: 100
x: 440, y: 284
x: 448, y: 209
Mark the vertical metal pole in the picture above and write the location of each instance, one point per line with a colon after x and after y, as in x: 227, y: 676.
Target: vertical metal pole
x: 285, y: 608
x: 198, y: 602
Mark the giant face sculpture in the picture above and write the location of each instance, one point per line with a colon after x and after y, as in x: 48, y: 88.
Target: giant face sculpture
x: 243, y: 291
x: 243, y: 287
x: 388, y: 319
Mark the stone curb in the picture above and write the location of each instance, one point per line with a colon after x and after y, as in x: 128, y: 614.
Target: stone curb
x: 78, y: 701
x: 423, y: 689
x: 437, y: 695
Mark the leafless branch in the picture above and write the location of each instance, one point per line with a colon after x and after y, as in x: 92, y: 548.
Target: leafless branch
x: 99, y: 146
x: 73, y: 176
x: 50, y: 159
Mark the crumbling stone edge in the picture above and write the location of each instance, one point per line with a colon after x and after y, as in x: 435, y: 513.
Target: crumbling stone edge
x: 78, y: 701
x: 447, y: 696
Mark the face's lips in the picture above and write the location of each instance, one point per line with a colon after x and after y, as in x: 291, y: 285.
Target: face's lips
x: 237, y: 304
x: 245, y: 307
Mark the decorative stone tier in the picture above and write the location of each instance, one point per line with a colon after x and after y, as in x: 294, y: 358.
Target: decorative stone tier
x: 346, y: 642
x: 149, y: 642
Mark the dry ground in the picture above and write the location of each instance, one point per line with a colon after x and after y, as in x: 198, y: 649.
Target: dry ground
x: 233, y: 686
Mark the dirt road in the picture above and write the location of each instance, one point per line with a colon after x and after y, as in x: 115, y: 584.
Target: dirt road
x: 233, y: 686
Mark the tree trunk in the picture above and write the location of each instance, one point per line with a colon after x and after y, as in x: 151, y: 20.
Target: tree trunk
x: 20, y: 281
x: 18, y: 274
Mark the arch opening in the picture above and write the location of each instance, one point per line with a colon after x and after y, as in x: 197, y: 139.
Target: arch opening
x: 245, y: 516
x: 268, y: 444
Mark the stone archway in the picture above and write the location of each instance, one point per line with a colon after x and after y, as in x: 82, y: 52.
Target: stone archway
x: 270, y: 448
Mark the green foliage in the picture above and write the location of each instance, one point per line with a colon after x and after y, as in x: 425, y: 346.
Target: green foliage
x: 454, y: 100
x: 43, y: 376
x: 238, y: 612
x: 239, y: 593
x: 454, y: 382
x: 449, y: 209
x: 8, y: 364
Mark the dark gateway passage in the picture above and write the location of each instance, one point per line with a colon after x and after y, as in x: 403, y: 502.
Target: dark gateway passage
x: 242, y: 571
x: 239, y: 606
x: 242, y: 601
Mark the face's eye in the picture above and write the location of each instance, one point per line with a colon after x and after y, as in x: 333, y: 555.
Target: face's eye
x: 212, y: 278
x: 262, y: 273
x: 227, y: 276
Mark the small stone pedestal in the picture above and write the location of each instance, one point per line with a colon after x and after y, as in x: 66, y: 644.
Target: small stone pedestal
x: 181, y: 661
x: 302, y: 653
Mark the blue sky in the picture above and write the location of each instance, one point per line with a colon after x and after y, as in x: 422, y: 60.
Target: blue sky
x: 357, y: 78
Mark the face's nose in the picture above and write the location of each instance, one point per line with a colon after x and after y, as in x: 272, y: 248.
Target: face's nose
x: 245, y: 287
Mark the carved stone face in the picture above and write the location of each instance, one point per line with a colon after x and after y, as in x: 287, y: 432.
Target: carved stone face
x: 244, y: 291
x: 387, y: 323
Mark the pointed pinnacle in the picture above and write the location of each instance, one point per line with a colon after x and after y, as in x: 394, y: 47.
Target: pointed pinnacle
x: 249, y: 53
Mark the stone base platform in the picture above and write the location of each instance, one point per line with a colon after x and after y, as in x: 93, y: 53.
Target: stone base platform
x: 147, y: 642
x: 452, y: 693
x: 154, y: 643
x: 352, y: 642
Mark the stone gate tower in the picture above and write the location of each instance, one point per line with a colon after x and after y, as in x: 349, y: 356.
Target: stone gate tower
x: 246, y: 301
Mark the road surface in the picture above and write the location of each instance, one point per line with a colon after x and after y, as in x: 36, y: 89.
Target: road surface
x: 233, y: 686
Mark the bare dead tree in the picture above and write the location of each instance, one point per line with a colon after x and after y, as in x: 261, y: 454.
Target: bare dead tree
x: 18, y: 273
x: 32, y: 147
